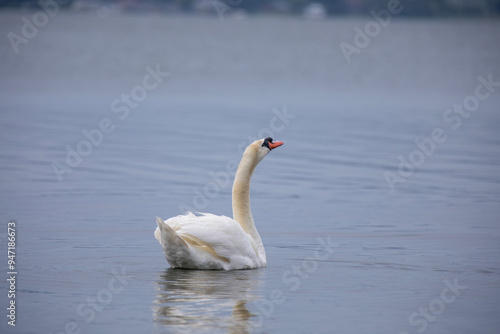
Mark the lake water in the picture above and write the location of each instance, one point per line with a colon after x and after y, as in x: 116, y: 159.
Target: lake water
x: 348, y: 251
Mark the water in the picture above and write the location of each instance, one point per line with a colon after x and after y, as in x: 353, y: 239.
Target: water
x: 345, y: 253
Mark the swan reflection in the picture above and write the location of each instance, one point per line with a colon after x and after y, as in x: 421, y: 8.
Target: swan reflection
x: 199, y: 301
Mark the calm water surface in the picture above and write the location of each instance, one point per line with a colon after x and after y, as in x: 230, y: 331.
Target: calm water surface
x: 345, y: 253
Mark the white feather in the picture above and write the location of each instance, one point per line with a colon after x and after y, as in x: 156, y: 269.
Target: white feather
x: 223, y: 234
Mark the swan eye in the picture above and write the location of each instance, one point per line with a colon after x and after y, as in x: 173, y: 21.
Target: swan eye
x: 267, y: 141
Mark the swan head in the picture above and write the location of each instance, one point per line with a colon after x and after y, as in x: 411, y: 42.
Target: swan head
x: 264, y: 146
x: 258, y: 150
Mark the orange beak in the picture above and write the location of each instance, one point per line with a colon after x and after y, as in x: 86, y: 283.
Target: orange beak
x: 275, y: 144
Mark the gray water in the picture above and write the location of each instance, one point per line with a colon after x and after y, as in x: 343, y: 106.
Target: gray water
x: 346, y: 253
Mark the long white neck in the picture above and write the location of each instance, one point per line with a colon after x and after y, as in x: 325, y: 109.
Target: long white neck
x: 241, y: 197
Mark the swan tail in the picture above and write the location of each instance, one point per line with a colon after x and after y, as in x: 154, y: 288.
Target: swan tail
x: 174, y: 247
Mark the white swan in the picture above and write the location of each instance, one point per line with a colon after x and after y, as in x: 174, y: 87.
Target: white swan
x: 218, y: 242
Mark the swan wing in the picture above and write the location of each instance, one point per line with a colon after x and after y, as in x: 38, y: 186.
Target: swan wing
x: 215, y: 238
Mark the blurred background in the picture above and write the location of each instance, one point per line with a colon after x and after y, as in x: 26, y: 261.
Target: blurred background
x: 286, y: 7
x: 114, y: 112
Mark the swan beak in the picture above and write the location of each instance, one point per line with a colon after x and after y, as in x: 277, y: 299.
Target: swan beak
x: 275, y: 144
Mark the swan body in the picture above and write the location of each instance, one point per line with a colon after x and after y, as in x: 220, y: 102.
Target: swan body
x: 208, y: 241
